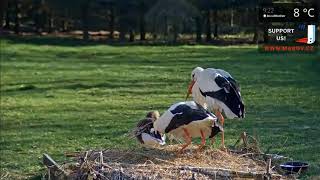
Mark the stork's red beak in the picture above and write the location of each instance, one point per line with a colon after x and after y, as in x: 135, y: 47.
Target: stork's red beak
x: 190, y: 88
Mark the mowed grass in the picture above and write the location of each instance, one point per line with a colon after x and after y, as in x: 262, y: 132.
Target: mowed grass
x: 65, y: 98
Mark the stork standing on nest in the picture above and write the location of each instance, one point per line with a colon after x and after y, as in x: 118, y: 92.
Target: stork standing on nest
x: 185, y: 120
x: 217, y: 91
x: 145, y: 132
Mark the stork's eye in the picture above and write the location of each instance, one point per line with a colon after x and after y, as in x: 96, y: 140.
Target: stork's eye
x: 192, y: 75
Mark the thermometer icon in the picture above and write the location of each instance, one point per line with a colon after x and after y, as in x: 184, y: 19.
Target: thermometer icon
x: 311, y: 36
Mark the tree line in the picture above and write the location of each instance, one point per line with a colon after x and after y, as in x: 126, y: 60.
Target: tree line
x: 202, y: 20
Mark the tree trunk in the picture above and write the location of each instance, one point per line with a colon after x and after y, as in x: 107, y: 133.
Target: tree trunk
x: 198, y: 26
x: 7, y: 18
x: 232, y: 17
x: 50, y: 23
x: 175, y: 33
x: 17, y: 17
x: 123, y: 30
x: 256, y: 28
x: 154, y: 36
x: 166, y: 26
x: 64, y: 25
x: 255, y: 36
x: 215, y: 34
x: 184, y: 27
x: 154, y: 30
x: 265, y: 34
x: 131, y: 38
x: 44, y: 19
x: 122, y: 36
x: 85, y: 26
x: 111, y: 22
x: 215, y: 17
x: 142, y: 22
x: 38, y: 18
x: 208, y: 26
x: 4, y: 8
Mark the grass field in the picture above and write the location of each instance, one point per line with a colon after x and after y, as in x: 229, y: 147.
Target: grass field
x: 64, y: 97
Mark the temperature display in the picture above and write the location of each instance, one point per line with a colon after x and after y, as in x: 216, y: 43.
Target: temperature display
x: 288, y: 12
x: 309, y: 12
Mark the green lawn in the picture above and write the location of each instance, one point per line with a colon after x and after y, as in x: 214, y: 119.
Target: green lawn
x: 70, y: 97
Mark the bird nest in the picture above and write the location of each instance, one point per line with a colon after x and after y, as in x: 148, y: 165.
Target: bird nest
x: 160, y: 163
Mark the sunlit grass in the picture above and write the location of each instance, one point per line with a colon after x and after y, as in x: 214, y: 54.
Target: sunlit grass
x: 58, y: 98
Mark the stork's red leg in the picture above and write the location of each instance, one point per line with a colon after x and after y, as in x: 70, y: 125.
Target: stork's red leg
x: 187, y: 138
x: 203, y: 140
x: 213, y: 141
x: 221, y: 118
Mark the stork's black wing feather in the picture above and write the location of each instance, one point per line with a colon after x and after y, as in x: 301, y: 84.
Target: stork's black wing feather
x: 229, y: 94
x: 234, y: 83
x: 183, y: 115
x: 143, y: 126
x: 156, y: 134
x: 222, y: 82
x: 220, y: 94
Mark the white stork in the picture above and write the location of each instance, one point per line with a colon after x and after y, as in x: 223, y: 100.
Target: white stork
x: 145, y: 132
x: 216, y: 90
x: 185, y: 120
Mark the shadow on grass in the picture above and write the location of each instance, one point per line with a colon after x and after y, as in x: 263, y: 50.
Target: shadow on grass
x: 78, y: 86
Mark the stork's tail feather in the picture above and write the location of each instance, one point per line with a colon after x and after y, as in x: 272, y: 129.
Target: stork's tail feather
x: 216, y: 128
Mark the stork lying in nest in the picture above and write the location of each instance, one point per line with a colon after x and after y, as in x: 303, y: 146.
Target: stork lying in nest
x: 145, y: 132
x: 185, y: 120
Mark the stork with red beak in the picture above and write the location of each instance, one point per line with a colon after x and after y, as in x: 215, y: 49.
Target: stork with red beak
x: 217, y: 91
x: 145, y: 132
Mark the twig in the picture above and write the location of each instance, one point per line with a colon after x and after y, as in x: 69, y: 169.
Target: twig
x: 106, y: 165
x: 71, y: 154
x: 101, y: 158
x: 246, y: 154
x: 85, y: 156
x: 4, y: 176
x: 97, y: 173
x: 244, y: 139
x: 268, y: 169
x: 145, y: 163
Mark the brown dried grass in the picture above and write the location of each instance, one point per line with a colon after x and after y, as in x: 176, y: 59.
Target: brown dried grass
x: 164, y: 163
